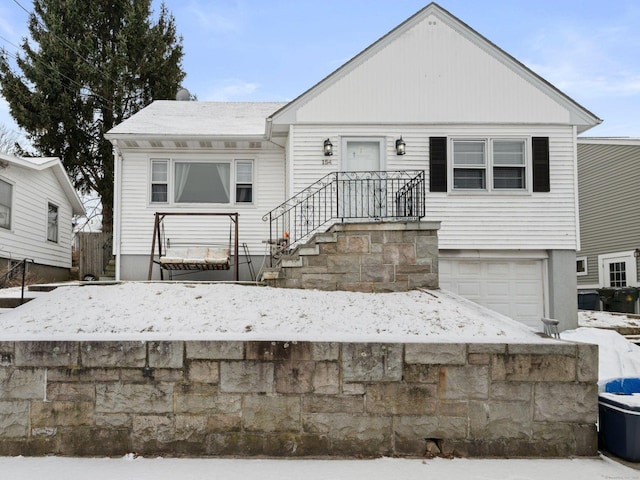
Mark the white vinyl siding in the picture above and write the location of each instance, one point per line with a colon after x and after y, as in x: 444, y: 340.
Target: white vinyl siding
x: 504, y: 219
x: 137, y: 212
x: 372, y: 92
x: 33, y: 190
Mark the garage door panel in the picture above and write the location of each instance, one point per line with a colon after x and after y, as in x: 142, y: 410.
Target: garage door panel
x: 497, y: 289
x: 469, y: 269
x: 469, y: 289
x: 527, y: 269
x: 512, y: 287
x: 501, y: 307
x: 497, y: 268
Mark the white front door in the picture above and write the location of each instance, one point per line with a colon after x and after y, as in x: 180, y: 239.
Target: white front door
x: 617, y: 269
x: 364, y: 194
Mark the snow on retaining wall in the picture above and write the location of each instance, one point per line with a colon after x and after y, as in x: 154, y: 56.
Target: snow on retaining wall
x: 295, y: 399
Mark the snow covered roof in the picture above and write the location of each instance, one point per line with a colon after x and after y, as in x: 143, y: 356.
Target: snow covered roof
x: 42, y: 163
x: 176, y: 118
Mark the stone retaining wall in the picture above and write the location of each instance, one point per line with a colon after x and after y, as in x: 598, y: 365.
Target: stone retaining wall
x: 288, y: 399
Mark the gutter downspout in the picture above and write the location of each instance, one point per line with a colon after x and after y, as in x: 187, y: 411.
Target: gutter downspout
x: 575, y: 186
x: 117, y: 202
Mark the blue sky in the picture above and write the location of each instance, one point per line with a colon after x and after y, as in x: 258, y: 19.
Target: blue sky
x: 273, y: 50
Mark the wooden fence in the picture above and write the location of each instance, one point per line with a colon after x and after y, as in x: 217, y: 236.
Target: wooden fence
x: 94, y: 253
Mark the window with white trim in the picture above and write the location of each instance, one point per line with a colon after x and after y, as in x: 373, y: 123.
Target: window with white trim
x: 201, y: 182
x: 52, y: 222
x: 6, y: 201
x: 469, y: 165
x: 159, y: 181
x: 508, y: 164
x: 489, y: 164
x: 244, y: 181
x: 186, y: 181
x: 581, y: 266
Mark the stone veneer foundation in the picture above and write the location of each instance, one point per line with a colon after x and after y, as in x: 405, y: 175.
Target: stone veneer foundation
x: 297, y: 399
x: 365, y: 257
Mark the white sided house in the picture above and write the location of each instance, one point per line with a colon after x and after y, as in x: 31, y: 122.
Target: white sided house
x: 37, y: 204
x: 490, y: 145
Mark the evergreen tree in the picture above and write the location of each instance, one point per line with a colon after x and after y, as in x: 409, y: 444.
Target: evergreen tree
x: 89, y: 65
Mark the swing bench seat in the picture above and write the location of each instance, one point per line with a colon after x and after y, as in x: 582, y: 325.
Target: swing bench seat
x: 195, y: 258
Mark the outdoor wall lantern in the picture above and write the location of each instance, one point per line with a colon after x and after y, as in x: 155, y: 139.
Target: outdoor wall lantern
x: 400, y: 147
x: 328, y: 148
x: 636, y: 253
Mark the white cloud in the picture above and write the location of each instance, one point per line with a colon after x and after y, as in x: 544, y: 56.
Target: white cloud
x: 230, y: 90
x: 588, y: 62
x: 216, y: 18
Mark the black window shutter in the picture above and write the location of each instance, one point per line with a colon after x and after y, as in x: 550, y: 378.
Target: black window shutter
x: 540, y: 153
x: 438, y: 164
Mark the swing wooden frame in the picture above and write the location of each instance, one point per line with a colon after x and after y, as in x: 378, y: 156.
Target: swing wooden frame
x: 204, y: 259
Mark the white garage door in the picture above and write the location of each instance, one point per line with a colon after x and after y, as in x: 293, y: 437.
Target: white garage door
x: 514, y: 288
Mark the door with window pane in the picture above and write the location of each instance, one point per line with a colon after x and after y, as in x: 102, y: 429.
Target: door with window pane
x: 617, y: 270
x: 363, y: 190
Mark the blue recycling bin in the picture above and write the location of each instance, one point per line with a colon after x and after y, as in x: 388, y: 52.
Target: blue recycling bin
x: 619, y: 418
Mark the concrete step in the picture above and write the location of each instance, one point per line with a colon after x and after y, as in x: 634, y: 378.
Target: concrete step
x: 271, y: 273
x: 307, y: 250
x: 10, y: 302
x: 325, y: 237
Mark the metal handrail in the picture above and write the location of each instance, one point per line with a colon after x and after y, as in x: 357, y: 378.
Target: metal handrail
x: 9, y: 274
x: 343, y: 196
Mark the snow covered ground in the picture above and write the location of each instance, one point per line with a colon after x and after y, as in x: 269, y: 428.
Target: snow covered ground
x: 188, y: 311
x: 153, y: 311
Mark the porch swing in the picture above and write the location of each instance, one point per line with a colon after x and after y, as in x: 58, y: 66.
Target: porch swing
x: 189, y: 257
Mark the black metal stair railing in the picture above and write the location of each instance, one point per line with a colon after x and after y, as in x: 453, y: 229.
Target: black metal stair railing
x: 9, y: 275
x: 346, y: 196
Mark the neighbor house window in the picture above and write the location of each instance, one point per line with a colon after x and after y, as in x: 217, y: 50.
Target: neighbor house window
x: 202, y: 182
x: 52, y: 223
x: 489, y: 164
x: 617, y: 274
x: 581, y: 266
x: 6, y: 194
x: 244, y: 181
x: 159, y: 181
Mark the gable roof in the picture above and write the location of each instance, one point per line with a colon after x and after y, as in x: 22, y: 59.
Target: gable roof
x: 577, y: 115
x: 224, y: 119
x: 44, y: 163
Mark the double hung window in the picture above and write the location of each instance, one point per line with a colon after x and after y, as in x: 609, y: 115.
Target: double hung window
x: 159, y: 181
x: 52, y: 222
x: 489, y: 164
x: 6, y: 200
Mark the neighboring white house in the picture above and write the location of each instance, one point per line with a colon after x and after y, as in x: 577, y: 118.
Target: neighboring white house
x: 37, y: 204
x: 497, y: 143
